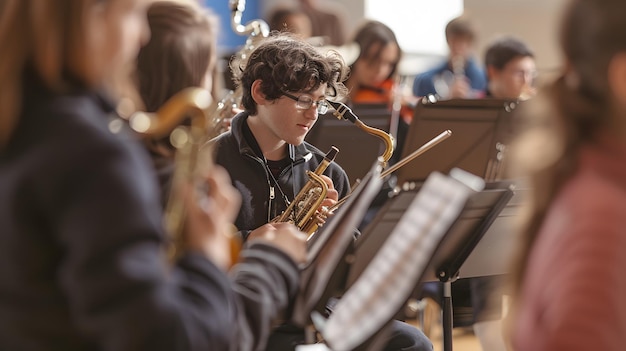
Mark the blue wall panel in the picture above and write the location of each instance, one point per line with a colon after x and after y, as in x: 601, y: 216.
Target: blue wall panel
x: 228, y: 40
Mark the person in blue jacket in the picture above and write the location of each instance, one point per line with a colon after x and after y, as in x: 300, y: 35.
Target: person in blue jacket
x: 459, y: 76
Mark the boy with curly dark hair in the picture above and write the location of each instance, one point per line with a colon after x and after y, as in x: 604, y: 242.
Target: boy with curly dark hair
x: 285, y: 82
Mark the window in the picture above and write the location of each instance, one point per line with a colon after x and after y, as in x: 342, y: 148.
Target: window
x: 418, y: 24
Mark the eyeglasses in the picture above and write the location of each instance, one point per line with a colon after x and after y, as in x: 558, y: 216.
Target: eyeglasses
x: 525, y: 74
x: 304, y: 102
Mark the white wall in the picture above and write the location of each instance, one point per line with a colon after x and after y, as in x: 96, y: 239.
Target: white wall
x: 420, y: 28
x: 534, y: 21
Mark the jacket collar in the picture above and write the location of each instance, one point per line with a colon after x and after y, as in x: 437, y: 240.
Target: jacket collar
x: 296, y: 153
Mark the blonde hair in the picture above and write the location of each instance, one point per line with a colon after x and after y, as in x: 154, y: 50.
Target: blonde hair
x: 52, y: 40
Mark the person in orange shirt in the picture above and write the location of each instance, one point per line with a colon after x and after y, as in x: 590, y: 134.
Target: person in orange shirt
x: 374, y: 74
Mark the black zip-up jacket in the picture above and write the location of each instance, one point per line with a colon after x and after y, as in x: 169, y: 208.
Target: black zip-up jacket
x: 260, y: 197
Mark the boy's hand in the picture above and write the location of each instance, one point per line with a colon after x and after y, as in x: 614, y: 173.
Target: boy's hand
x: 284, y: 236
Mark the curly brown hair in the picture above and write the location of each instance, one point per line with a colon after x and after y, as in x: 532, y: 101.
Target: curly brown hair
x: 285, y: 63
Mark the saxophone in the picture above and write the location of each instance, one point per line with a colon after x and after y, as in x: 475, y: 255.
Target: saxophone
x: 191, y: 154
x: 256, y: 30
x: 304, y: 211
x: 252, y: 28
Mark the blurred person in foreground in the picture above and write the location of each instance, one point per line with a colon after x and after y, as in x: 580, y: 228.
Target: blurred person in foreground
x: 81, y: 249
x: 569, y: 287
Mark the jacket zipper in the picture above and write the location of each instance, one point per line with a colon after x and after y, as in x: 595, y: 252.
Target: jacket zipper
x: 272, y: 190
x: 272, y: 193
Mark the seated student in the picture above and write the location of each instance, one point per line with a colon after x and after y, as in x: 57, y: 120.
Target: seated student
x: 511, y: 69
x: 373, y: 74
x: 292, y: 20
x: 268, y: 137
x: 181, y: 53
x: 459, y: 76
x: 569, y: 284
x: 285, y: 84
x: 81, y: 245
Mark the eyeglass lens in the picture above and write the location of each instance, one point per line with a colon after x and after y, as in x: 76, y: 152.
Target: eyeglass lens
x: 305, y: 102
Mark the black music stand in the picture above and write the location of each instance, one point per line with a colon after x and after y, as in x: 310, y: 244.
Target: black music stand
x: 357, y: 149
x: 327, y: 248
x: 496, y: 247
x: 480, y: 130
x: 457, y: 240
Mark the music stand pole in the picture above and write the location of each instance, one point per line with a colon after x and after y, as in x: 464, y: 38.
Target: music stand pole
x: 447, y: 315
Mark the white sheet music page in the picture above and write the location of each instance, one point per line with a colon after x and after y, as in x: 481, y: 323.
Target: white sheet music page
x: 387, y: 281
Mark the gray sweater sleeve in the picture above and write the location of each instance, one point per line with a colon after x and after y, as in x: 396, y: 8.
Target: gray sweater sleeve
x: 265, y: 281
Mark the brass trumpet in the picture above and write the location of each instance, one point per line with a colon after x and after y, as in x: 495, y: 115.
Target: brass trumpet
x: 302, y: 211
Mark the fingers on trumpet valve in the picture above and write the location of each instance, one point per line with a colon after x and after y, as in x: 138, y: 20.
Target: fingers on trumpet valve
x: 322, y: 215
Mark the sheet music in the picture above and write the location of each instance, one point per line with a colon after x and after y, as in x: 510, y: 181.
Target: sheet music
x: 394, y: 271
